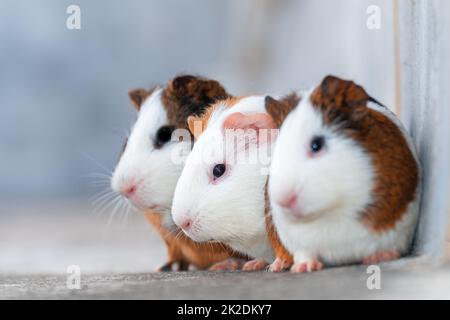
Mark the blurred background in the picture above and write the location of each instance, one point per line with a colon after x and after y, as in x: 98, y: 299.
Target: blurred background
x: 64, y: 109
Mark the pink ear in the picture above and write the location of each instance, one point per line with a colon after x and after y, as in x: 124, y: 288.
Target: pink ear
x: 255, y: 121
x: 262, y: 123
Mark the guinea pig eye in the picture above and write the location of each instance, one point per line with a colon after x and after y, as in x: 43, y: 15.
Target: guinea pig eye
x: 317, y: 144
x: 163, y: 135
x: 218, y: 170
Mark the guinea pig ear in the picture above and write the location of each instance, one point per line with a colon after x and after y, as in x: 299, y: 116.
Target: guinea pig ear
x: 196, y: 125
x: 279, y: 109
x: 138, y: 96
x: 253, y: 121
x: 347, y: 98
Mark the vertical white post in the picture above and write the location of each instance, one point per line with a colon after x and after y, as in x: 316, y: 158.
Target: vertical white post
x: 425, y: 90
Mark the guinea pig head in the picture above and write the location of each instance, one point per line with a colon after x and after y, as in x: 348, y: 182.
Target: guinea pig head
x: 154, y: 153
x: 318, y: 167
x: 220, y: 193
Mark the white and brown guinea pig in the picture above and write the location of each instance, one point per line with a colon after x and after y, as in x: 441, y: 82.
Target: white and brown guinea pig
x: 220, y: 195
x: 147, y: 174
x: 345, y: 180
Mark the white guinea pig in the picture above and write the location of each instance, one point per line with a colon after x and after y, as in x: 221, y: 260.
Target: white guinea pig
x: 220, y: 195
x: 344, y: 180
x: 147, y: 171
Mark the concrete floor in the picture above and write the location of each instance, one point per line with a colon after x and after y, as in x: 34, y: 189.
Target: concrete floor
x: 116, y: 262
x: 398, y: 280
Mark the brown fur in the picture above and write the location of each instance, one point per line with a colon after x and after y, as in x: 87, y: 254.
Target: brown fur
x: 279, y: 109
x: 138, y: 96
x: 183, y: 251
x: 197, y: 123
x: 344, y: 105
x: 189, y: 95
x: 183, y: 96
x: 278, y: 248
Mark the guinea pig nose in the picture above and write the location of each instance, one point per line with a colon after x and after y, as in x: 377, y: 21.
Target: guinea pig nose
x: 129, y: 190
x: 186, y: 224
x: 289, y: 202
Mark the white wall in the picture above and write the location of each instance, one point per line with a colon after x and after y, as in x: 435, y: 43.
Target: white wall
x: 276, y: 46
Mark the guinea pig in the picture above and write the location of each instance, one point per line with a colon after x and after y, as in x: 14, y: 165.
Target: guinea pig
x: 220, y: 195
x: 344, y: 179
x: 147, y: 173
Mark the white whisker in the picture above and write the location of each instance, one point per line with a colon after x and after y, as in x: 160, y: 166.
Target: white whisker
x: 109, y: 204
x: 114, y: 212
x: 100, y: 193
x: 96, y: 175
x: 95, y: 162
x: 102, y: 196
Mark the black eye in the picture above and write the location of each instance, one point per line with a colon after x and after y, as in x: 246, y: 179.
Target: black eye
x: 317, y: 144
x: 163, y: 135
x: 218, y: 170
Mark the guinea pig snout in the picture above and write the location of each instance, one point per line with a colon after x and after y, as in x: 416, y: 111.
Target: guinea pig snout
x: 291, y: 205
x: 289, y: 201
x: 186, y: 224
x: 128, y: 190
x: 184, y: 221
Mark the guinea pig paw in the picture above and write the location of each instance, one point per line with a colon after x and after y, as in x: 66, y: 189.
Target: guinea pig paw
x: 307, y: 266
x: 166, y: 267
x: 381, y: 256
x: 230, y: 264
x: 254, y: 265
x: 280, y: 265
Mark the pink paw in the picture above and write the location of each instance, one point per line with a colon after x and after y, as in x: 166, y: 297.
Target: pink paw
x: 279, y: 265
x: 309, y: 266
x: 228, y: 265
x: 254, y: 265
x: 381, y: 256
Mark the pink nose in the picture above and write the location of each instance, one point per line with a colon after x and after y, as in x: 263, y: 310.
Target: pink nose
x: 129, y: 190
x: 290, y: 202
x: 185, y: 224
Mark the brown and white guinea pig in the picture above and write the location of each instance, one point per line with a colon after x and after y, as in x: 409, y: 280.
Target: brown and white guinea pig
x: 220, y: 195
x: 147, y: 173
x: 344, y: 181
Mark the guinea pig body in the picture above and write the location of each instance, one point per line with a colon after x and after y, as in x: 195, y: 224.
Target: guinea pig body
x: 148, y: 172
x: 218, y: 197
x: 345, y: 180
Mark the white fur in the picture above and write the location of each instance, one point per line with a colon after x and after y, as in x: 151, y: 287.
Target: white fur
x: 232, y: 210
x: 151, y: 169
x: 333, y: 188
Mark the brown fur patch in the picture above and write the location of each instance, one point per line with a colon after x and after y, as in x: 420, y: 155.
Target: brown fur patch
x: 397, y: 173
x: 278, y: 248
x: 190, y: 95
x: 279, y: 109
x: 184, y: 251
x: 344, y: 104
x: 138, y: 96
x: 197, y: 123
